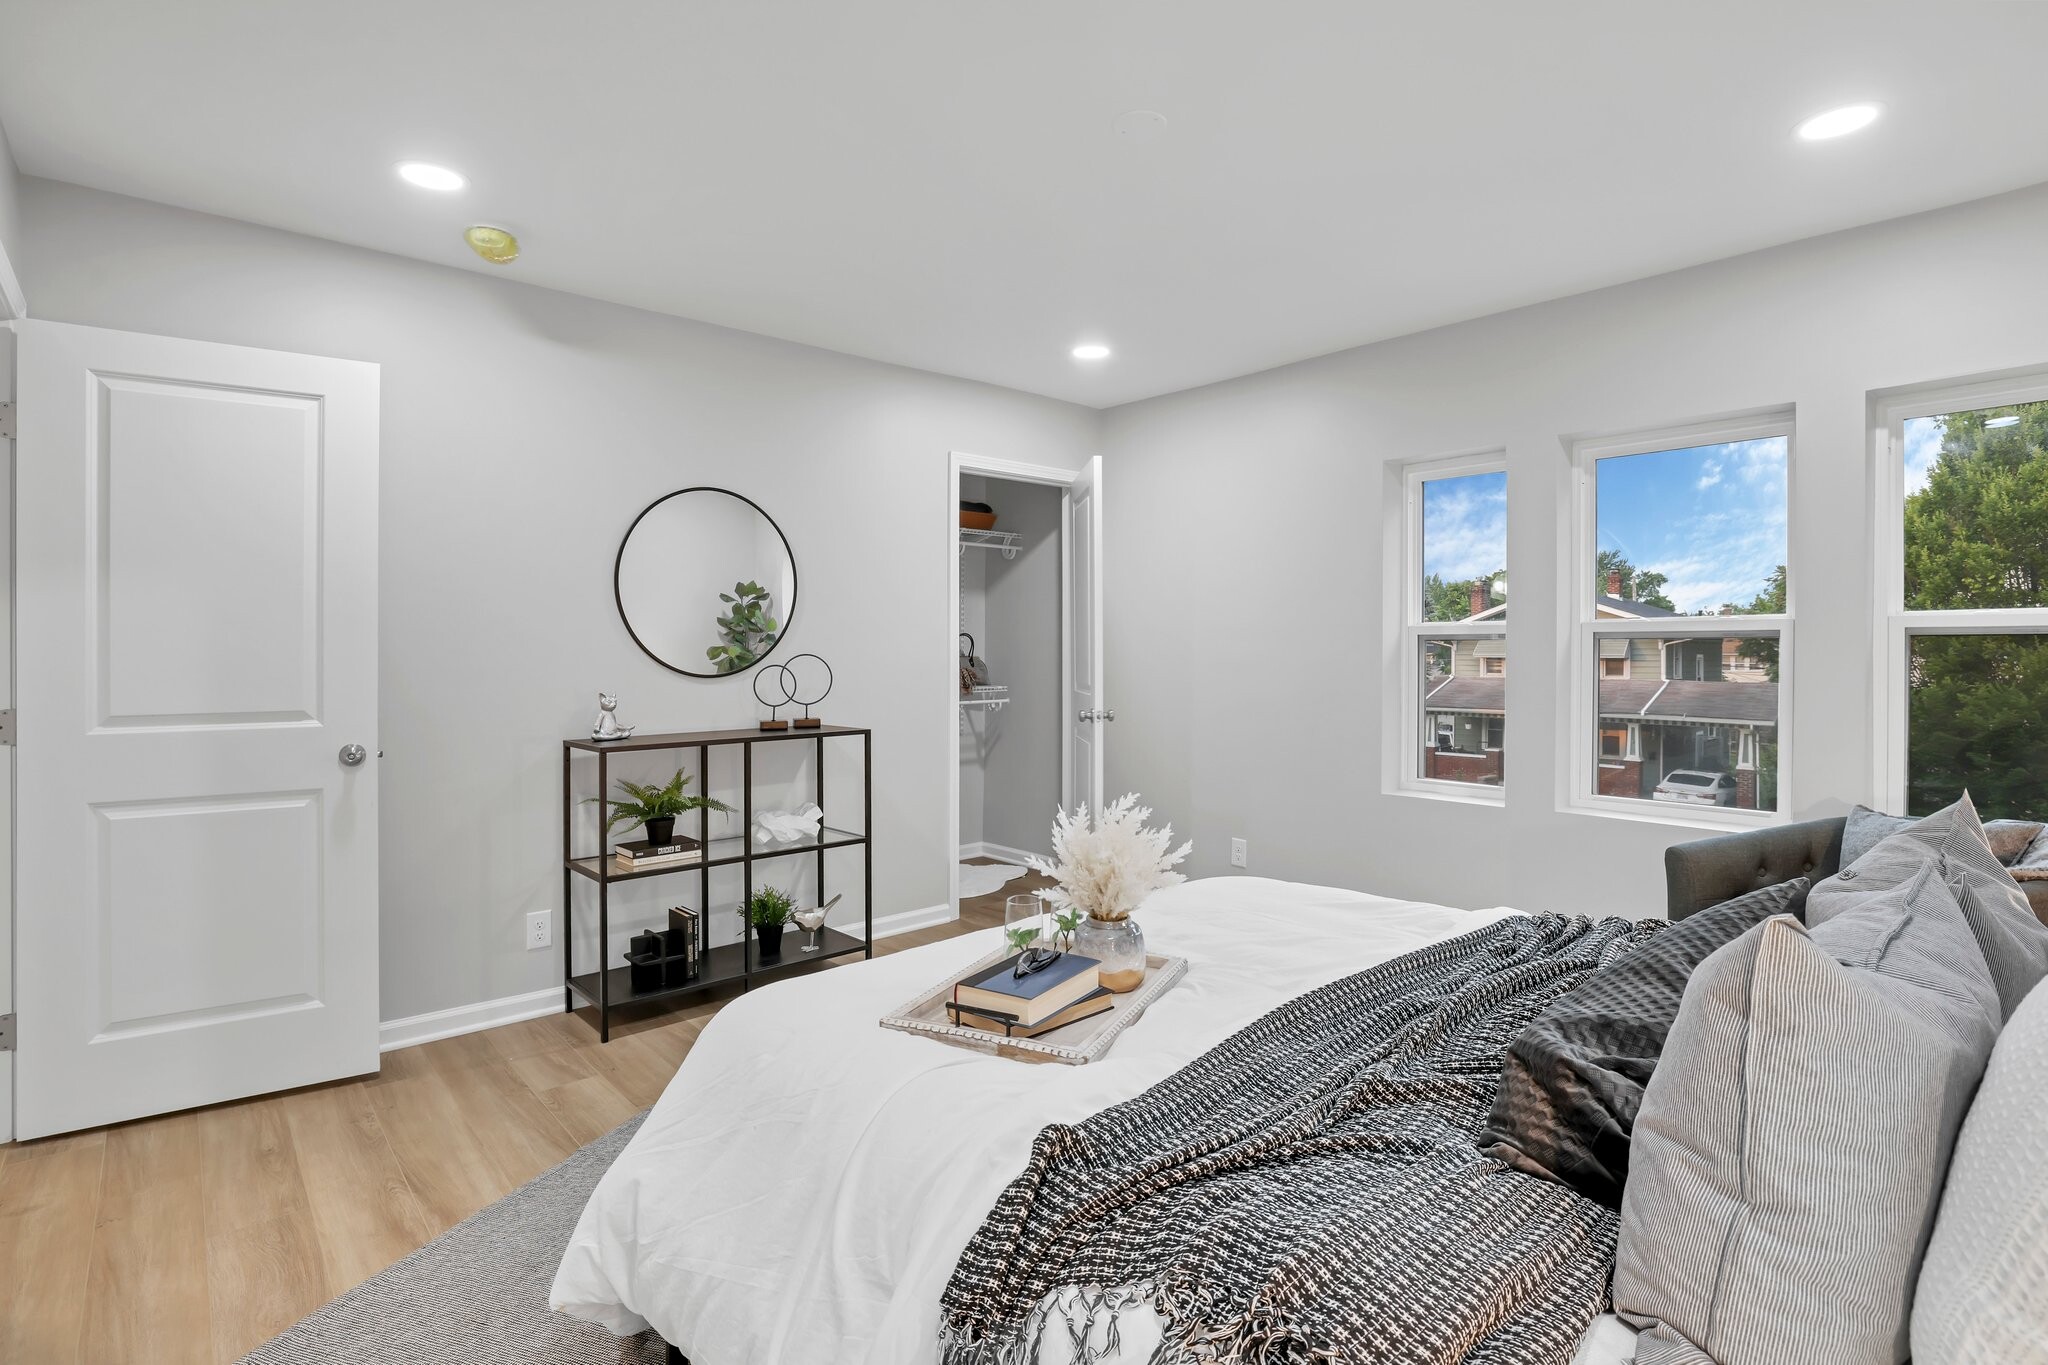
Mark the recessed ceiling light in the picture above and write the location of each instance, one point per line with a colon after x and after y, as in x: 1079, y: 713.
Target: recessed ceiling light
x: 2009, y: 420
x: 428, y: 176
x: 1091, y: 350
x: 1848, y: 119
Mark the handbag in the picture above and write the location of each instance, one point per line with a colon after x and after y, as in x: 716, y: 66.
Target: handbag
x: 973, y: 668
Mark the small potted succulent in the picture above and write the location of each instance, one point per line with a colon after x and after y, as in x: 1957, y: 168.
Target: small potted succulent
x: 768, y: 911
x: 656, y: 808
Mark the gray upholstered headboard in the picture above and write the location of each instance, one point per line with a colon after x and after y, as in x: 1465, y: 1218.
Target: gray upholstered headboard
x: 1708, y: 871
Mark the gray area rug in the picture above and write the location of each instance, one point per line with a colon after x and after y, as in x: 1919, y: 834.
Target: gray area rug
x: 478, y: 1293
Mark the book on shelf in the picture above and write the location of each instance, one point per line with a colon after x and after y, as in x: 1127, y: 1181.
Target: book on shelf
x: 639, y: 854
x: 991, y: 1021
x: 1031, y: 999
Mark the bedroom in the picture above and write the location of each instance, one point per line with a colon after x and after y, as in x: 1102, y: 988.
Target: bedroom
x: 809, y: 255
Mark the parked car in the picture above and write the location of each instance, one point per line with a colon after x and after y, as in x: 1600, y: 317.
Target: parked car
x: 1696, y: 788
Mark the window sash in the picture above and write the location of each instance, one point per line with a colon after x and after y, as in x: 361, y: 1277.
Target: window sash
x: 1895, y: 625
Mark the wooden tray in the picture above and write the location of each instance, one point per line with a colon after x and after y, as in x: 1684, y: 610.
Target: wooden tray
x: 1075, y: 1045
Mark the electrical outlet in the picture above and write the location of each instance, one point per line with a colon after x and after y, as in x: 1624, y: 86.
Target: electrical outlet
x: 540, y: 929
x: 1237, y: 853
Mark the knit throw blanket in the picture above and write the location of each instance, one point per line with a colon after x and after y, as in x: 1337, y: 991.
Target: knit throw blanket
x: 1309, y: 1191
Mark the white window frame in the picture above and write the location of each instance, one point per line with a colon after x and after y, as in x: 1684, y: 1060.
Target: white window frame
x: 1579, y: 724
x: 1405, y: 764
x: 1895, y: 626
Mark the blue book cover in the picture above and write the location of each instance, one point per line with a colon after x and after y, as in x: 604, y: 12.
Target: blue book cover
x: 999, y: 980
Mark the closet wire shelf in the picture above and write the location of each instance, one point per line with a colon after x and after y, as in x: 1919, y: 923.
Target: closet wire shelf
x: 992, y: 698
x: 1006, y: 541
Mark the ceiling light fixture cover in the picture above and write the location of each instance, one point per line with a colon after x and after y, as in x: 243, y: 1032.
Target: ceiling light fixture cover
x: 494, y: 244
x: 1841, y: 122
x: 1091, y: 350
x: 428, y: 176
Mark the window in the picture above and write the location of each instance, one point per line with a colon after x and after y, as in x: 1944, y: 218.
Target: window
x: 1453, y: 629
x: 1683, y: 629
x: 1964, y: 576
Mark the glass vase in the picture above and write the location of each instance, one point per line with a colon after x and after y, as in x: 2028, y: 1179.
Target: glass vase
x: 1119, y: 945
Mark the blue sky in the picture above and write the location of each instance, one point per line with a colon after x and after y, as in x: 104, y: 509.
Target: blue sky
x: 1711, y: 519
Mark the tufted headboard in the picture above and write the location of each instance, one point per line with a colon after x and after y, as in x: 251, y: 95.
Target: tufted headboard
x: 1708, y: 871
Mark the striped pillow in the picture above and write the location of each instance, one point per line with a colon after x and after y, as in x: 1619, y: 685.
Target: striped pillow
x: 1792, y: 1143
x: 1981, y: 1293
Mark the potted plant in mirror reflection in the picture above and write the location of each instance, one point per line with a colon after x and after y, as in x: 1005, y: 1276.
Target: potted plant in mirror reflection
x: 655, y: 808
x: 1102, y: 872
x: 768, y: 911
x: 745, y: 630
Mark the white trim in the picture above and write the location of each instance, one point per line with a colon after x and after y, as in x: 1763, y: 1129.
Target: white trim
x: 1000, y: 852
x: 1893, y: 626
x: 1405, y: 742
x: 13, y: 303
x: 905, y: 921
x: 960, y: 462
x: 438, y: 1024
x: 1578, y: 721
x: 435, y: 1025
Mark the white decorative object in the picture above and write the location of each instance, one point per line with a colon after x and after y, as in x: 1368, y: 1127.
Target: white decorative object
x: 608, y: 726
x: 813, y: 920
x: 788, y: 826
x: 1107, y: 870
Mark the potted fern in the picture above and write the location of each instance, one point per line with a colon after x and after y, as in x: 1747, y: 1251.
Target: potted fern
x: 768, y: 911
x: 656, y: 808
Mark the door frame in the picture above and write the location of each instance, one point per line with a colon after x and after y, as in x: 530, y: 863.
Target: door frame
x: 960, y: 463
x: 7, y: 446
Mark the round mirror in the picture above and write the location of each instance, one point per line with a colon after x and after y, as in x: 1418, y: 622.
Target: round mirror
x: 705, y: 582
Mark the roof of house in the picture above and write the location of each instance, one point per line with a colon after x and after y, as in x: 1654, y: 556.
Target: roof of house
x: 1614, y: 606
x: 1734, y: 703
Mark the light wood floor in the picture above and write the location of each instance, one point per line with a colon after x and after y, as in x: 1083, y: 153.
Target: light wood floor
x: 193, y: 1238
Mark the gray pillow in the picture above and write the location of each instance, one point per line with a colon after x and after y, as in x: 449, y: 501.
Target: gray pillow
x: 1983, y: 1286
x: 2015, y: 843
x: 2014, y: 942
x: 1792, y: 1143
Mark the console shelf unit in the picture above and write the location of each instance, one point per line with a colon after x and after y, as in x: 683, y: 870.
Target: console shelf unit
x: 606, y: 989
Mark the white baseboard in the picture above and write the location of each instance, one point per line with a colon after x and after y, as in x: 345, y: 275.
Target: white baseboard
x: 427, y: 1028
x: 924, y: 917
x: 511, y: 1009
x: 1002, y: 853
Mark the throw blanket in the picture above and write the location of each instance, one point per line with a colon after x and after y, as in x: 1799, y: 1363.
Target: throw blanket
x: 1309, y: 1190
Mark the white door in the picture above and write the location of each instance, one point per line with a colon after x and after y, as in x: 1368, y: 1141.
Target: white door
x: 1086, y: 714
x: 196, y: 641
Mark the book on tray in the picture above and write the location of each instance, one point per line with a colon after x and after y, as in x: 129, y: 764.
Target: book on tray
x: 992, y: 1021
x: 1028, y: 1000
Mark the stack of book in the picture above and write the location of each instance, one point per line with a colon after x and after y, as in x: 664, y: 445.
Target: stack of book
x: 1000, y: 1001
x: 641, y: 854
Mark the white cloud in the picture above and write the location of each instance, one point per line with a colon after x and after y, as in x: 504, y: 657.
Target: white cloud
x: 1709, y: 476
x: 1465, y: 527
x: 1923, y: 448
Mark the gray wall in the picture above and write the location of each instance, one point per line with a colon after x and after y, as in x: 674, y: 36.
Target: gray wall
x: 1022, y: 768
x: 522, y: 431
x: 1246, y: 566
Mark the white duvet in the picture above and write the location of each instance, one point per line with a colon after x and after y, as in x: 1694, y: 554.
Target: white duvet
x: 799, y: 1194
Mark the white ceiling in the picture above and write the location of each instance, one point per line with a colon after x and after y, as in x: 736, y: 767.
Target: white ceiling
x: 937, y: 182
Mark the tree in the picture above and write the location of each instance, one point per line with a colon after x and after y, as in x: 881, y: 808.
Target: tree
x: 1451, y: 599
x: 1769, y: 602
x: 1637, y: 585
x: 1977, y: 536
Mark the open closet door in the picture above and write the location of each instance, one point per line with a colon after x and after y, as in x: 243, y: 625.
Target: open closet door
x: 1086, y: 715
x: 196, y: 632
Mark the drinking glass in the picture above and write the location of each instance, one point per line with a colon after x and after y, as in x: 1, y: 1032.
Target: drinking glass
x: 1026, y: 927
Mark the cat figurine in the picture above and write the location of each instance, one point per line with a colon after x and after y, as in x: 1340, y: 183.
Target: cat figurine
x: 608, y: 726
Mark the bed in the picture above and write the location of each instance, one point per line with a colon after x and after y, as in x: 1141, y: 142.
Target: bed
x: 804, y: 1188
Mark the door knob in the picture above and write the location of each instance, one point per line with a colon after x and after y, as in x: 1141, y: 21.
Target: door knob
x: 352, y: 754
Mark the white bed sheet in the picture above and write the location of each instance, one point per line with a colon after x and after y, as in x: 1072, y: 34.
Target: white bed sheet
x: 802, y: 1189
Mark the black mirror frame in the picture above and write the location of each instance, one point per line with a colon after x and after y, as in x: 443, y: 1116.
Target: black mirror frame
x: 619, y: 599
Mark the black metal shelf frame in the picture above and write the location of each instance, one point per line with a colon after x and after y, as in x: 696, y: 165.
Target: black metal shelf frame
x: 607, y: 988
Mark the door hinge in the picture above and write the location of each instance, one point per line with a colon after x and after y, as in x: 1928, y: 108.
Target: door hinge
x: 6, y: 1033
x: 7, y: 728
x: 6, y: 421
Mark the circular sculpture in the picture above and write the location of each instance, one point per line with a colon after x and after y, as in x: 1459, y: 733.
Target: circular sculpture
x: 785, y: 684
x: 798, y: 689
